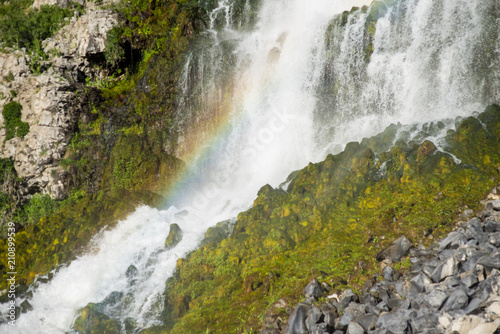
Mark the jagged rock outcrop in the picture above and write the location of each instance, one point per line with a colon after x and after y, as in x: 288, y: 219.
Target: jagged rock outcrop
x: 451, y: 287
x: 77, y: 42
x: 51, y: 101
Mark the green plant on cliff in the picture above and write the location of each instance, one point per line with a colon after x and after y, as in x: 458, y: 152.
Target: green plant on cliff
x: 116, y: 159
x: 12, y: 120
x: 25, y: 27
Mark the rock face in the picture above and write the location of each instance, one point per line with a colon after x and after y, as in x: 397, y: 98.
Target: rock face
x: 50, y: 103
x: 452, y: 287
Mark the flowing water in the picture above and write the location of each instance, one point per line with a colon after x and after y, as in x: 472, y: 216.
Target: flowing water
x: 265, y: 95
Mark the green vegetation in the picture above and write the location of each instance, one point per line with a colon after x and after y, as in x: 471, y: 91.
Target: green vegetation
x: 12, y: 120
x: 25, y: 27
x: 334, y: 215
x: 116, y: 159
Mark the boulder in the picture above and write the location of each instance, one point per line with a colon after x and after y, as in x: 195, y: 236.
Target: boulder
x: 313, y: 289
x: 396, y: 250
x: 92, y: 320
x: 174, y: 236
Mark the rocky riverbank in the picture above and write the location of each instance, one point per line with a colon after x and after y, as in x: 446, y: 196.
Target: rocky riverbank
x: 451, y: 287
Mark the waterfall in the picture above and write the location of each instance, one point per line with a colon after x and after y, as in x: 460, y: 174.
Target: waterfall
x: 262, y: 97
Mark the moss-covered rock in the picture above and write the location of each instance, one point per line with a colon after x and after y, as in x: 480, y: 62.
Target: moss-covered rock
x: 174, y: 236
x: 92, y: 321
x: 333, y: 216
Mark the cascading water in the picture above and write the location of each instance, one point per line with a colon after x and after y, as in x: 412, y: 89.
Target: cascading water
x: 283, y: 93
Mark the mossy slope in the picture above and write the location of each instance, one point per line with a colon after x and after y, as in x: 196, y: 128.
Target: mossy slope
x: 330, y: 222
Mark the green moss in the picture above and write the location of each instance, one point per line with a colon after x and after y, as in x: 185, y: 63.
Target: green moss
x: 334, y: 215
x: 92, y: 321
x: 12, y: 120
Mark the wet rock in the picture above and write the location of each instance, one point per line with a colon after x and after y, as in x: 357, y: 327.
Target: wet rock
x: 174, y: 236
x: 313, y: 289
x: 396, y: 250
x: 92, y: 320
x: 132, y: 271
x: 26, y: 306
x: 297, y: 321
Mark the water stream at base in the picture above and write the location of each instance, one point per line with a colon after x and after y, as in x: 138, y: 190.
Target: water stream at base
x: 301, y: 87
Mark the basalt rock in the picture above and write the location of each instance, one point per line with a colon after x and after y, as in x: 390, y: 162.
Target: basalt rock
x: 442, y: 294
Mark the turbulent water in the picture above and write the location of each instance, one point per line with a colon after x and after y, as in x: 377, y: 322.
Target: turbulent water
x: 279, y: 89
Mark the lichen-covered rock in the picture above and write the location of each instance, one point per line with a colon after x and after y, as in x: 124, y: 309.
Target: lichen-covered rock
x: 174, y: 236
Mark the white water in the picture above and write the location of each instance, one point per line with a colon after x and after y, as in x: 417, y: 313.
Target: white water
x: 274, y: 130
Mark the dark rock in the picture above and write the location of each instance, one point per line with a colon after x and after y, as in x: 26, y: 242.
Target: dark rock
x: 474, y: 223
x: 314, y: 317
x: 475, y: 305
x: 131, y: 271
x: 394, y: 303
x: 471, y: 262
x: 469, y: 279
x: 367, y: 321
x: 393, y: 322
x: 491, y: 226
x: 92, y: 320
x: 491, y: 261
x: 421, y: 253
x: 297, y: 321
x: 446, y: 268
x: 26, y: 306
x: 382, y: 306
x: 453, y: 241
x: 390, y: 274
x: 112, y: 299
x: 457, y: 300
x: 313, y: 289
x: 367, y: 298
x: 347, y: 297
x: 396, y: 250
x: 424, y: 322
x: 174, y: 236
x: 421, y: 281
x: 451, y: 282
x: 494, y: 239
x: 372, y: 309
x: 355, y: 328
x: 350, y: 313
x: 319, y: 329
x: 330, y: 317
